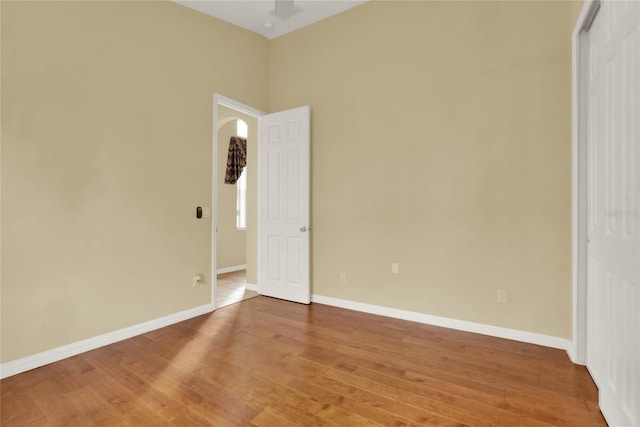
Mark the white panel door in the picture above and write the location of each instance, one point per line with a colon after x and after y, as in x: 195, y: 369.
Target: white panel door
x: 613, y: 251
x: 285, y: 204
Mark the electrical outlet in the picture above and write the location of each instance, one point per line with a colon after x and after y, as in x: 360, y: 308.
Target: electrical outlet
x: 343, y: 278
x: 197, y: 281
x: 395, y: 268
x: 502, y: 295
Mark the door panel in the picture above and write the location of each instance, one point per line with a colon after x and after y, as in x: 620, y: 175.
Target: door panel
x: 285, y: 193
x: 613, y: 268
x: 273, y: 191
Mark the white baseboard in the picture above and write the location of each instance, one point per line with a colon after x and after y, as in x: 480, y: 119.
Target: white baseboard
x: 572, y: 352
x: 37, y: 360
x: 461, y: 325
x: 251, y: 287
x: 231, y: 269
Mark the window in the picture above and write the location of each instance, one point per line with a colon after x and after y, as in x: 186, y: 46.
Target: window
x: 241, y: 185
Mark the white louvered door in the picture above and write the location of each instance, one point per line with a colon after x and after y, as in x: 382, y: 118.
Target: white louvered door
x: 613, y: 152
x: 285, y: 205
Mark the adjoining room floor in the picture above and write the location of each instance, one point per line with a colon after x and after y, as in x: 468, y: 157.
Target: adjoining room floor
x: 232, y: 288
x: 268, y: 362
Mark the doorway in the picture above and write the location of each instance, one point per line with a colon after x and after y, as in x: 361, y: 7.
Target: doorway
x: 278, y: 212
x: 235, y: 210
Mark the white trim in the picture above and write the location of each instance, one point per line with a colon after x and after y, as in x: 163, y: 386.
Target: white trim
x: 257, y: 114
x: 37, y: 360
x: 571, y: 351
x: 238, y: 106
x: 251, y: 287
x: 578, y: 343
x: 231, y: 269
x: 461, y: 325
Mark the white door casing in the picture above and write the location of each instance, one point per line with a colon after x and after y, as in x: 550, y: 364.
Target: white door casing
x: 284, y: 239
x: 613, y: 210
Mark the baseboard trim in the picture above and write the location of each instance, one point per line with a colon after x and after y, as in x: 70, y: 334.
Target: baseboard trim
x: 37, y: 360
x: 461, y: 325
x: 231, y: 269
x: 251, y: 287
x: 572, y: 352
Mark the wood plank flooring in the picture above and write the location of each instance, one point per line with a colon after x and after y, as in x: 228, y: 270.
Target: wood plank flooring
x: 232, y: 288
x: 266, y: 362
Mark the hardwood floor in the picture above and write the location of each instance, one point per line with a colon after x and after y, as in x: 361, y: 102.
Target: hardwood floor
x: 232, y: 288
x: 266, y: 362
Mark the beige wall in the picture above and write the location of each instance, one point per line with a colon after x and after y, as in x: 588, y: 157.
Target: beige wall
x: 576, y: 8
x: 252, y: 199
x: 251, y: 233
x: 231, y: 244
x: 441, y: 141
x: 106, y: 152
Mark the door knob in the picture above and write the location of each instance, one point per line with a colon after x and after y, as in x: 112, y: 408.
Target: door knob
x: 303, y: 229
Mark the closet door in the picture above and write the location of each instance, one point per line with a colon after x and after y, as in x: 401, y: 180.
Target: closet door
x: 613, y: 171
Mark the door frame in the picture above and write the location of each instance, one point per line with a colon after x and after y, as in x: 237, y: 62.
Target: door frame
x: 218, y: 100
x: 579, y: 120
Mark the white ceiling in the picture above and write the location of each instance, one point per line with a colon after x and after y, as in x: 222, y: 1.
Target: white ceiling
x: 259, y: 15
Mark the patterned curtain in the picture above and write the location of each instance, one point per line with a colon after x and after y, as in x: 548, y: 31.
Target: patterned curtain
x: 236, y: 160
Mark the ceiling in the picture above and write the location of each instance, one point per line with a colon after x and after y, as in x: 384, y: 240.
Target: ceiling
x: 259, y: 15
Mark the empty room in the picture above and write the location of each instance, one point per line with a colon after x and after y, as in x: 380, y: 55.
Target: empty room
x: 313, y: 213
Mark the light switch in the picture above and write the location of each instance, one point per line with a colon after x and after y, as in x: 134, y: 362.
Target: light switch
x: 206, y: 212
